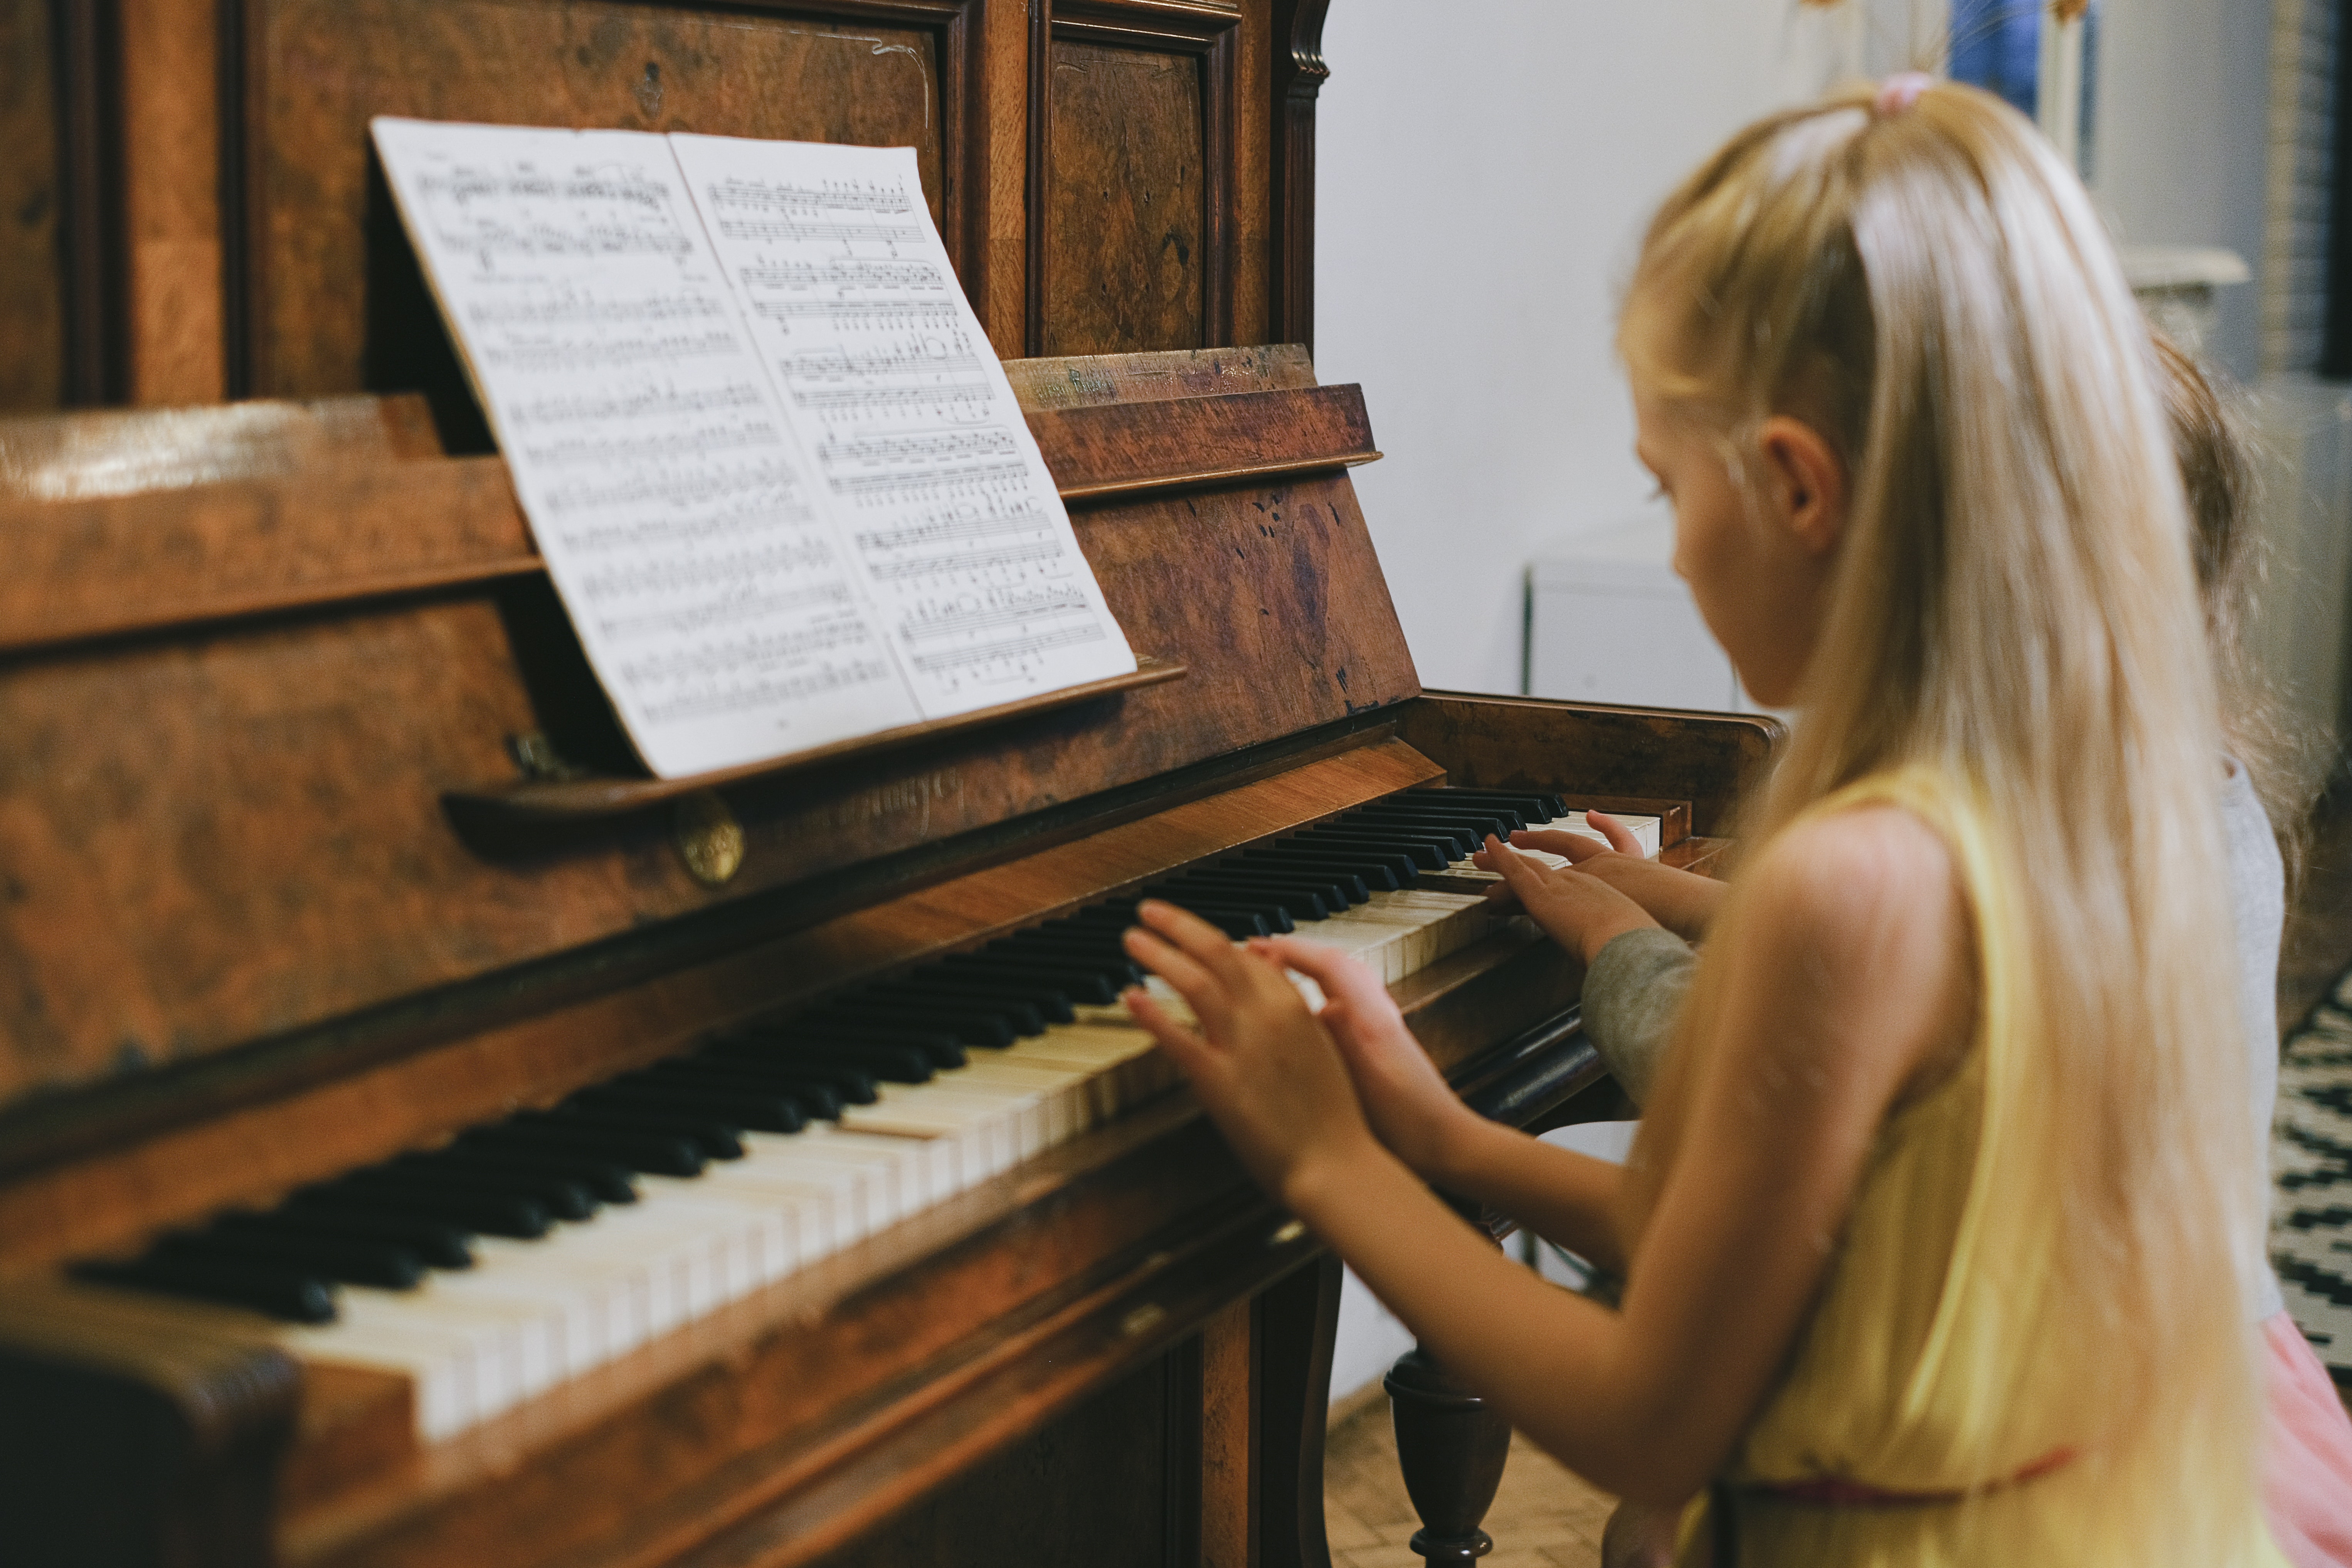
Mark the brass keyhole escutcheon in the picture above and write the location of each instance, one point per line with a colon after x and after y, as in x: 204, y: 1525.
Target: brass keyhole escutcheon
x: 709, y: 838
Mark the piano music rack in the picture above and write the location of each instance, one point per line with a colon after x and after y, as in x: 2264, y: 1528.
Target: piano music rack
x: 589, y: 796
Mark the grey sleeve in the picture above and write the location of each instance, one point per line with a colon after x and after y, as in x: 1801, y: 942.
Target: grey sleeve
x: 1633, y: 993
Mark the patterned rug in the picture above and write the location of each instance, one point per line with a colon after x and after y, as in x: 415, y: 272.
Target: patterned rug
x: 2311, y: 1160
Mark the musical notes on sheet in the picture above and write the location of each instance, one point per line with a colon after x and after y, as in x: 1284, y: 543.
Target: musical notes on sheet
x: 775, y: 465
x: 912, y: 427
x: 679, y: 516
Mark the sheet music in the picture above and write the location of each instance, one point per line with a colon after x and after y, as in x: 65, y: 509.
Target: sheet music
x: 676, y: 512
x: 909, y: 422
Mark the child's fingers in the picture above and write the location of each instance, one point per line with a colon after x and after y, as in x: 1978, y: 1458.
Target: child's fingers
x: 1559, y: 841
x: 1199, y: 941
x: 1211, y: 1004
x: 1334, y: 972
x: 1181, y: 1041
x: 1621, y: 837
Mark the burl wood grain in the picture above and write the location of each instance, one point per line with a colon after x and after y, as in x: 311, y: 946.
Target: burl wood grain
x: 318, y: 68
x: 32, y: 280
x: 1127, y: 259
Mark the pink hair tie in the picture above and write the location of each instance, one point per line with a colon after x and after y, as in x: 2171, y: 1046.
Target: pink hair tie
x: 1901, y: 90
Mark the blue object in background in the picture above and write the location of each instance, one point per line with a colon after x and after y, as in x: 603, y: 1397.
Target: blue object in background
x: 1997, y: 45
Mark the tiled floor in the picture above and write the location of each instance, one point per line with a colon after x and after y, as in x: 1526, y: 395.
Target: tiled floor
x: 1542, y: 1517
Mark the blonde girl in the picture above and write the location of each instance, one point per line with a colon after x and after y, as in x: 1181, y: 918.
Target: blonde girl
x: 1929, y: 1234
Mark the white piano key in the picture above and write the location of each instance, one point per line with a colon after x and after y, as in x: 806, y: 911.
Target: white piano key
x: 533, y: 1312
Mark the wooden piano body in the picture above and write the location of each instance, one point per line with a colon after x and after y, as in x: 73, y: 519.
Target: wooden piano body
x: 317, y: 842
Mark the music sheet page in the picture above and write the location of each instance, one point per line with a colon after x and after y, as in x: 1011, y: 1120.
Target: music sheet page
x: 677, y: 512
x: 910, y: 427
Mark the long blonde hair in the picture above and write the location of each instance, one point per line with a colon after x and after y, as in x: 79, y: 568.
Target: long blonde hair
x: 2014, y: 606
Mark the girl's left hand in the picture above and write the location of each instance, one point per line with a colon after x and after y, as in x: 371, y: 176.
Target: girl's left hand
x: 1575, y: 908
x: 1263, y: 1067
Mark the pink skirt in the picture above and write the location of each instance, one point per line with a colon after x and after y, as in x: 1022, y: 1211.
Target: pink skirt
x: 2307, y: 1472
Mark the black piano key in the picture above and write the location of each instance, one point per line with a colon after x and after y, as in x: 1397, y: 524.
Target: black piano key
x: 655, y: 1153
x: 1026, y: 1014
x: 1081, y: 986
x: 1052, y: 1001
x: 297, y: 1295
x: 879, y: 1059
x: 440, y: 1246
x: 609, y: 1180
x: 854, y: 1085
x: 758, y: 1109
x: 1073, y: 946
x: 563, y: 1198
x: 1502, y: 824
x: 1455, y: 843
x: 1299, y: 903
x: 489, y: 1214
x: 1550, y: 805
x: 718, y: 1137
x: 1427, y: 853
x: 383, y: 1264
x: 816, y: 1096
x: 1284, y: 880
x: 940, y: 1047
x: 971, y: 1025
x: 1210, y: 903
x: 1382, y: 871
x: 1357, y: 882
x: 1235, y: 924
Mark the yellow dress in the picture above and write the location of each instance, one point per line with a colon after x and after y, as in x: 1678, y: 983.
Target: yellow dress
x: 1925, y: 1367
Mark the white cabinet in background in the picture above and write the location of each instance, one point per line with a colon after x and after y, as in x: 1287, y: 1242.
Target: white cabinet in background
x: 1608, y: 621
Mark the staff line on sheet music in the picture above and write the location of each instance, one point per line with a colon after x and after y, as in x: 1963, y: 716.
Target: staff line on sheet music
x: 765, y: 196
x: 844, y: 313
x: 722, y: 438
x: 785, y: 229
x: 946, y: 566
x: 743, y: 567
x: 678, y: 533
x: 933, y: 663
x: 844, y: 272
x: 993, y: 442
x: 910, y: 486
x: 573, y: 307
x: 675, y: 488
x: 1038, y: 605
x: 720, y: 612
x: 580, y: 356
x: 766, y: 693
x: 637, y: 405
x: 892, y: 397
x: 764, y: 647
x: 932, y: 532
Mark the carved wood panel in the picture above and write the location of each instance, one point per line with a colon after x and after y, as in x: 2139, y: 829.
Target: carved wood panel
x: 1128, y: 219
x: 32, y: 283
x: 316, y: 70
x: 1149, y: 142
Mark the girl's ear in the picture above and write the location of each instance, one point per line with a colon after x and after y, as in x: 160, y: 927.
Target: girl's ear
x: 1807, y: 482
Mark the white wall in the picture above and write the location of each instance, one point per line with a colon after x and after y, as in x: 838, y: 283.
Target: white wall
x: 2183, y: 131
x: 1479, y: 192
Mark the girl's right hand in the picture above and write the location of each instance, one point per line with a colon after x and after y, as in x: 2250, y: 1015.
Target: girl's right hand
x: 1412, y: 1108
x: 1682, y: 902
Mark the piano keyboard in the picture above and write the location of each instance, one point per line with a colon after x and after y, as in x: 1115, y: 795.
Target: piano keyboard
x: 529, y: 1251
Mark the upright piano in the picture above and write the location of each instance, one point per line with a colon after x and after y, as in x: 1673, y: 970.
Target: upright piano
x: 426, y: 1139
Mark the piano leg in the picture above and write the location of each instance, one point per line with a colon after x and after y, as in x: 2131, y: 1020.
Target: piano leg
x: 1451, y: 1444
